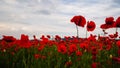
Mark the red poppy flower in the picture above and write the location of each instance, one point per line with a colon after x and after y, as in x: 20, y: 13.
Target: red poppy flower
x: 79, y: 20
x: 100, y: 46
x: 108, y: 47
x: 68, y: 63
x: 109, y: 21
x: 72, y: 48
x: 94, y: 51
x: 35, y: 42
x: 84, y: 45
x: 41, y: 47
x: 111, y: 36
x: 57, y: 38
x: 24, y: 41
x: 48, y: 36
x: 92, y: 38
x: 36, y: 56
x: 104, y: 26
x: 94, y: 65
x: 114, y: 35
x: 90, y: 26
x: 79, y: 53
x: 62, y: 48
x: 8, y: 38
x: 118, y: 44
x: 117, y: 59
x: 117, y: 23
x: 118, y: 52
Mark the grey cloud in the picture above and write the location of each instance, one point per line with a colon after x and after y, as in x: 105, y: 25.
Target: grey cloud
x: 45, y: 7
x: 24, y: 1
x: 115, y: 4
x: 1, y: 1
x: 45, y: 12
x: 116, y: 1
x: 7, y: 18
x: 68, y: 1
x: 4, y: 16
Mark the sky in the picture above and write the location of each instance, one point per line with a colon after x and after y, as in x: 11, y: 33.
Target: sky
x: 52, y: 17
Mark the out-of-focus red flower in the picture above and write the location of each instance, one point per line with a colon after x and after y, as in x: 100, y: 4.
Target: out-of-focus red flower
x: 35, y: 42
x: 119, y: 52
x: 43, y: 57
x: 116, y: 59
x: 44, y: 41
x: 78, y: 53
x: 118, y: 43
x: 84, y: 45
x: 24, y: 38
x: 51, y: 43
x: 90, y: 25
x: 34, y: 37
x: 12, y: 53
x: 100, y: 46
x: 8, y: 38
x: 68, y: 64
x: 57, y: 38
x: 42, y: 37
x: 62, y: 48
x: 108, y: 47
x: 24, y: 41
x: 94, y: 51
x: 111, y: 36
x: 67, y: 38
x: 36, y: 56
x: 117, y: 23
x: 72, y: 48
x: 79, y: 20
x: 92, y: 38
x: 41, y: 47
x: 94, y: 65
x: 114, y: 35
x: 48, y: 36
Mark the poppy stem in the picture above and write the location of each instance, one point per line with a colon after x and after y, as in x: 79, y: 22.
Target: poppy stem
x: 77, y: 31
x: 116, y: 29
x: 86, y: 33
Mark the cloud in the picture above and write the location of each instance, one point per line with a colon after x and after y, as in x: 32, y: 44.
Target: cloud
x: 46, y: 12
x: 52, y: 16
x: 117, y: 2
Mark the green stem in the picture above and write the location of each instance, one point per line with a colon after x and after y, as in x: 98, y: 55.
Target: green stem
x: 116, y: 29
x: 86, y: 33
x: 24, y: 59
x: 77, y: 31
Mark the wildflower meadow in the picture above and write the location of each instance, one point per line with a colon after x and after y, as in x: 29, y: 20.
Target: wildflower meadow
x: 94, y: 51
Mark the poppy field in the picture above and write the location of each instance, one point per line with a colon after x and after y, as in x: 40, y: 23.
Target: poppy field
x: 94, y: 51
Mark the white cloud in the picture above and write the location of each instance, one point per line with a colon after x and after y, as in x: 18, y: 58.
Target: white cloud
x: 52, y: 16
